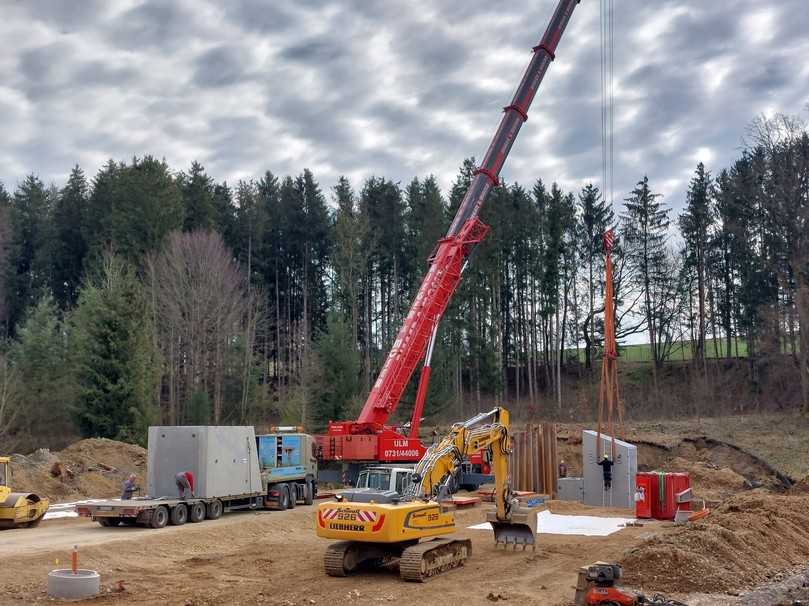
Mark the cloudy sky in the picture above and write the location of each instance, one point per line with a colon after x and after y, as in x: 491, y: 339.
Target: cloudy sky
x: 399, y: 88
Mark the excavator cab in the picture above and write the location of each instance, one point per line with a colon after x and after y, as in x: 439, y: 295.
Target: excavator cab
x: 18, y: 508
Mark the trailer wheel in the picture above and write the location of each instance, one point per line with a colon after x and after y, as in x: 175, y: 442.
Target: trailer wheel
x: 215, y: 509
x: 308, y: 493
x: 179, y: 514
x: 283, y: 496
x: 160, y: 517
x: 196, y: 512
x: 293, y: 494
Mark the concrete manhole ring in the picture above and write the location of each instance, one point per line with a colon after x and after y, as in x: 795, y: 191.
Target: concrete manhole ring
x: 67, y: 585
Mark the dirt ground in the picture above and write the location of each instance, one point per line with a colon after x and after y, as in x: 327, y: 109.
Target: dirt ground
x: 753, y: 549
x: 275, y: 558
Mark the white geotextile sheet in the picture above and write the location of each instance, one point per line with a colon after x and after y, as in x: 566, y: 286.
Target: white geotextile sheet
x: 554, y: 523
x: 68, y: 510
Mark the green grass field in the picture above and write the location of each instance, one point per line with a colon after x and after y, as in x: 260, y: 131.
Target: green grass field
x: 682, y: 350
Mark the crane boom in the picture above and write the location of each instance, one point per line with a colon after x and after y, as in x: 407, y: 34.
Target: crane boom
x: 464, y: 233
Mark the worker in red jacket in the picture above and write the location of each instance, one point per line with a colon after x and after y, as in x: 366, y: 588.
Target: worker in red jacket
x: 185, y: 481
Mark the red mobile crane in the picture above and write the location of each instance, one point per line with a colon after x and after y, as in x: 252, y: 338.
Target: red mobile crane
x: 369, y: 438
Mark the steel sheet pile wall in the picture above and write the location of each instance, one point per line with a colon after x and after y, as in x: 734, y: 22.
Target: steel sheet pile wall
x: 534, y: 459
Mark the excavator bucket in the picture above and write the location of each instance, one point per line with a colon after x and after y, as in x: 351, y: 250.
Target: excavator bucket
x: 520, y: 529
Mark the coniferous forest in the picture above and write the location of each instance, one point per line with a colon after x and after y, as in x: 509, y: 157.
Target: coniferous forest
x: 148, y: 293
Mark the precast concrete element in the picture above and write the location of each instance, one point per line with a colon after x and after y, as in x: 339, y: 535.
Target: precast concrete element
x: 624, y: 470
x: 223, y: 460
x: 64, y: 584
x: 569, y: 489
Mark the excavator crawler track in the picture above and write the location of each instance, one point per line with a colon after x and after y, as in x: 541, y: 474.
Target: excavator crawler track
x: 335, y: 559
x: 430, y: 558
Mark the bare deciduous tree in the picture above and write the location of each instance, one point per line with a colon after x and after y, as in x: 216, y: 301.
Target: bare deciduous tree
x: 204, y: 315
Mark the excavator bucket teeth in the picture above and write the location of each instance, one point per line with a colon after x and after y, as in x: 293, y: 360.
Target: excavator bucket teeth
x: 521, y: 529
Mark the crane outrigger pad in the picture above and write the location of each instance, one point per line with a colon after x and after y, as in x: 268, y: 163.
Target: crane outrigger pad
x: 519, y: 529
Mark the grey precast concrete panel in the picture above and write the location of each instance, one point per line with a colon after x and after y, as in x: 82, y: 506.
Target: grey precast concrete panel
x: 569, y: 489
x: 624, y: 470
x: 223, y: 460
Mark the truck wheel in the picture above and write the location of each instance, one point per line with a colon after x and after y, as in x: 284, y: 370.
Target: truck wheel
x: 283, y: 496
x: 179, y: 514
x: 214, y: 509
x: 293, y: 495
x: 308, y: 493
x: 160, y: 517
x: 108, y: 522
x: 196, y: 512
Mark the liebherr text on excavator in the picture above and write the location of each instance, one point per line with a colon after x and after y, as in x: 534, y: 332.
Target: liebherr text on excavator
x: 369, y: 438
x: 377, y: 527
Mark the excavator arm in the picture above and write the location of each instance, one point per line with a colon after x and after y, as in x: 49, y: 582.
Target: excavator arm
x: 442, y: 462
x: 434, y: 474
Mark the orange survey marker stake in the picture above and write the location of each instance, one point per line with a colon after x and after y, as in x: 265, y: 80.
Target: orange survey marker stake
x: 74, y: 559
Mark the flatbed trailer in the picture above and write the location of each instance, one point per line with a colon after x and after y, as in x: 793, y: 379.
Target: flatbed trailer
x: 157, y: 513
x: 234, y: 469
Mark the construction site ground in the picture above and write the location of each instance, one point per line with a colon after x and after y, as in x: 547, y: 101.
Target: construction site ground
x: 753, y: 549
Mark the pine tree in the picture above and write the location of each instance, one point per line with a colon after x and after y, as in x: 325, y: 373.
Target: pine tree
x: 70, y: 246
x: 28, y: 274
x: 350, y: 258
x: 97, y: 225
x: 317, y: 253
x: 198, y: 198
x: 114, y: 355
x: 645, y: 229
x: 39, y: 358
x: 5, y: 249
x: 695, y: 225
x: 225, y: 213
x: 595, y: 218
x: 341, y: 367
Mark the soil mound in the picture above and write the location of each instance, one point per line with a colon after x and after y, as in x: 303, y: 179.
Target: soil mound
x: 801, y: 487
x: 747, y: 540
x: 91, y: 468
x: 709, y: 481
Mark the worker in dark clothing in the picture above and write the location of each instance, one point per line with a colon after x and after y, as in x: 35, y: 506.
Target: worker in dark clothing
x: 130, y: 485
x: 562, y: 469
x: 606, y: 467
x: 185, y: 481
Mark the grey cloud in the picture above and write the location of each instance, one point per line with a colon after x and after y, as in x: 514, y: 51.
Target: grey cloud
x: 321, y: 51
x: 97, y: 73
x: 317, y: 70
x: 258, y: 15
x: 42, y: 68
x: 770, y: 76
x: 66, y: 16
x: 153, y: 24
x: 221, y: 66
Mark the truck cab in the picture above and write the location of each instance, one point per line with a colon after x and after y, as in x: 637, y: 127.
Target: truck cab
x: 288, y: 465
x: 386, y: 478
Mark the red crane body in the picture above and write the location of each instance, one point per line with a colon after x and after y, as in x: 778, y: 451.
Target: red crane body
x: 368, y: 438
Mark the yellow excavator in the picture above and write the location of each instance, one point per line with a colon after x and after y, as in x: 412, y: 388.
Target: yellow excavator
x: 18, y: 509
x: 376, y: 528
